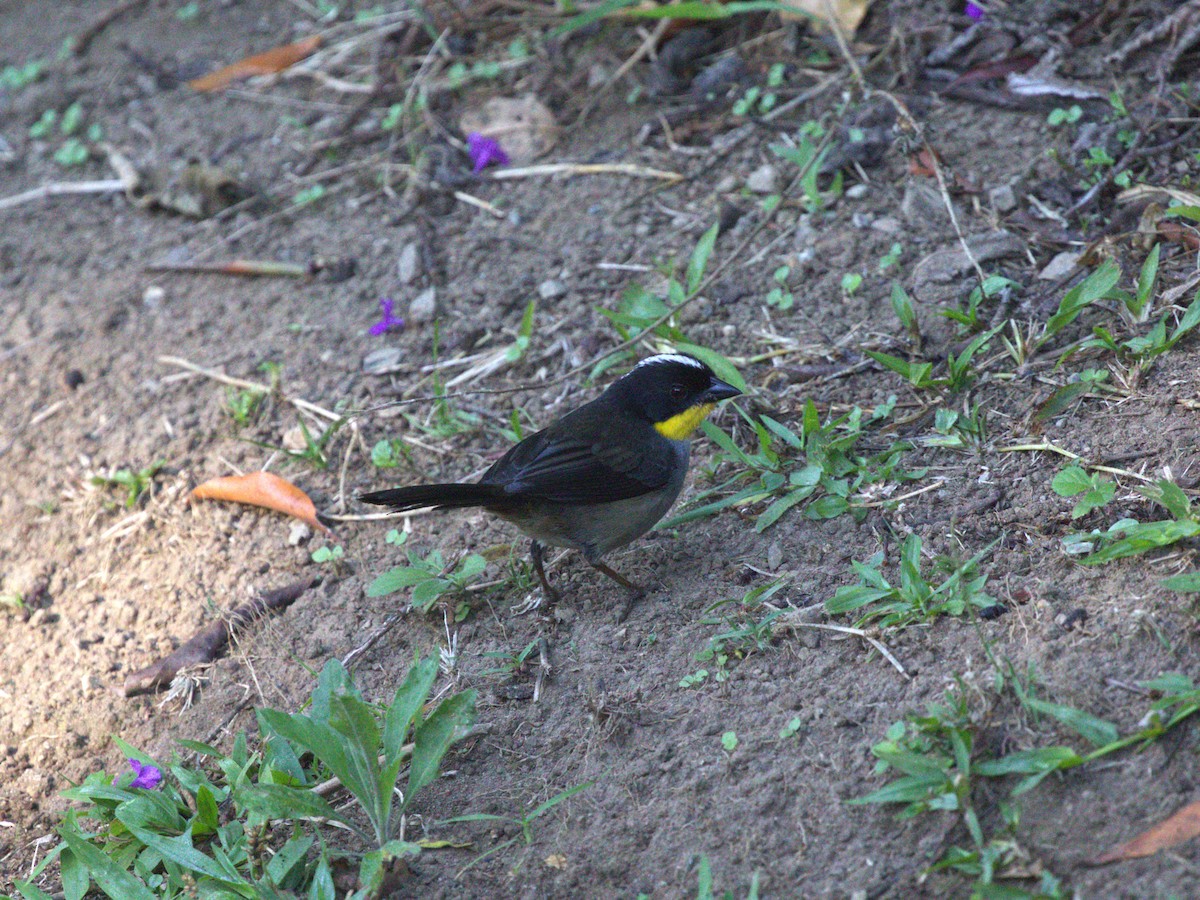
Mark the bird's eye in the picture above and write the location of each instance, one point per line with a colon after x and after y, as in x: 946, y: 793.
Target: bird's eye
x: 678, y: 390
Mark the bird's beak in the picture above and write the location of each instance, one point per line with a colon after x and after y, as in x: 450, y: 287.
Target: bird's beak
x: 719, y: 390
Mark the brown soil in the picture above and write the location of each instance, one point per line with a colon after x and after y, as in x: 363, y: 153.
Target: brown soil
x: 108, y: 590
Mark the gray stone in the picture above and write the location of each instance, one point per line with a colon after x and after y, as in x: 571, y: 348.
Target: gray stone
x: 1003, y: 198
x: 935, y: 277
x: 382, y: 361
x: 856, y: 192
x: 1061, y: 266
x: 408, y: 266
x: 424, y: 307
x: 887, y: 225
x: 551, y: 289
x: 922, y: 203
x: 764, y: 180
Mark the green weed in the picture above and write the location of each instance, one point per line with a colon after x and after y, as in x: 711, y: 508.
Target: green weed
x: 642, y: 314
x: 183, y: 830
x: 430, y: 577
x: 1128, y: 537
x: 525, y: 821
x: 1096, y: 490
x: 833, y: 472
x: 135, y: 484
x: 915, y: 597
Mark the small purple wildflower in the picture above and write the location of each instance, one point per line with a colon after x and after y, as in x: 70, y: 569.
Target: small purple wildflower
x: 974, y: 12
x: 148, y: 776
x: 485, y: 152
x: 388, y: 322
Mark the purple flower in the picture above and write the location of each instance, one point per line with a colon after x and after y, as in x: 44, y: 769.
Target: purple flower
x: 485, y: 152
x: 148, y: 776
x: 388, y: 322
x: 974, y: 12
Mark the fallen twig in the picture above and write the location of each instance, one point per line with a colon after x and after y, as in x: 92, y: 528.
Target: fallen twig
x: 207, y: 645
x: 630, y: 169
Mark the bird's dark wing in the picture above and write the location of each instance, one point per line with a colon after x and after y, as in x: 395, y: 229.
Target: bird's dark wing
x: 565, y: 465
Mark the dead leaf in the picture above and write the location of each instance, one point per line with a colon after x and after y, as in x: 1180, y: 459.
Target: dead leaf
x: 1175, y: 829
x: 268, y: 63
x: 524, y: 127
x: 556, y: 861
x: 846, y: 14
x: 264, y: 489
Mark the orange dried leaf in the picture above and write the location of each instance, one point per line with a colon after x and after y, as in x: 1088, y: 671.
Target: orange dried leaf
x: 1175, y: 829
x: 268, y: 63
x: 262, y: 489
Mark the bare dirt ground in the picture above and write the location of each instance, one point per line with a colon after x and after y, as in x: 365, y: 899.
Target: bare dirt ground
x: 94, y: 590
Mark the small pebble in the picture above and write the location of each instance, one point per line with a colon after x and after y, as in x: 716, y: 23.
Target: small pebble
x: 153, y: 296
x: 382, y: 361
x: 551, y: 289
x: 424, y: 307
x: 1003, y: 198
x: 764, y: 180
x: 856, y: 192
x: 408, y: 266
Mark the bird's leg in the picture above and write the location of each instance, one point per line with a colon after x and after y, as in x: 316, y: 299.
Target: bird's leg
x: 535, y: 552
x: 636, y: 592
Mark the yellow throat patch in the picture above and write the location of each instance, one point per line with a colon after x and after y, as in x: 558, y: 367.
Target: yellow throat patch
x: 681, y: 425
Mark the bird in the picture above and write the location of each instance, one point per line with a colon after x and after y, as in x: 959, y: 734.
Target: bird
x: 599, y: 477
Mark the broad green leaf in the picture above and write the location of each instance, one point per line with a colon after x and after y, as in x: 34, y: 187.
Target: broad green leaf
x: 110, y: 878
x: 1095, y: 731
x: 1142, y: 537
x: 396, y: 580
x: 1071, y: 481
x: 1187, y: 583
x: 288, y: 856
x: 30, y: 891
x: 827, y: 507
x: 407, y: 702
x: 434, y: 737
x: 699, y: 261
x: 75, y: 878
x: 1088, y: 291
x: 772, y: 513
x: 277, y: 801
x: 853, y: 596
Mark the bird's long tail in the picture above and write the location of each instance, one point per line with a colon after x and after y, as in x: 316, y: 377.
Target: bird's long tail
x: 442, y: 496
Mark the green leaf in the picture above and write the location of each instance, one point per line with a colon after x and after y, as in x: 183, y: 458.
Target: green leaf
x: 699, y: 261
x: 407, y: 702
x: 1095, y: 731
x: 109, y: 877
x: 772, y: 513
x: 30, y: 892
x: 433, y: 738
x: 288, y: 857
x: 1071, y: 481
x: 395, y: 580
x: 1170, y: 497
x: 75, y: 878
x: 1088, y: 291
x: 1142, y: 537
x: 278, y: 801
x: 1187, y: 583
x: 852, y: 596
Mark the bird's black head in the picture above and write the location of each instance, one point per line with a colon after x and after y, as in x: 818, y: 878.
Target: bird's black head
x: 675, y: 392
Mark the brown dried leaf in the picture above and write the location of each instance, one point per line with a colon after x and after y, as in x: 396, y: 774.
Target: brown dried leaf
x: 848, y: 14
x: 1182, y: 826
x: 268, y: 63
x: 262, y: 489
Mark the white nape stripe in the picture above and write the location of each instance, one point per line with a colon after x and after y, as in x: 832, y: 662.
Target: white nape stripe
x: 664, y: 358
